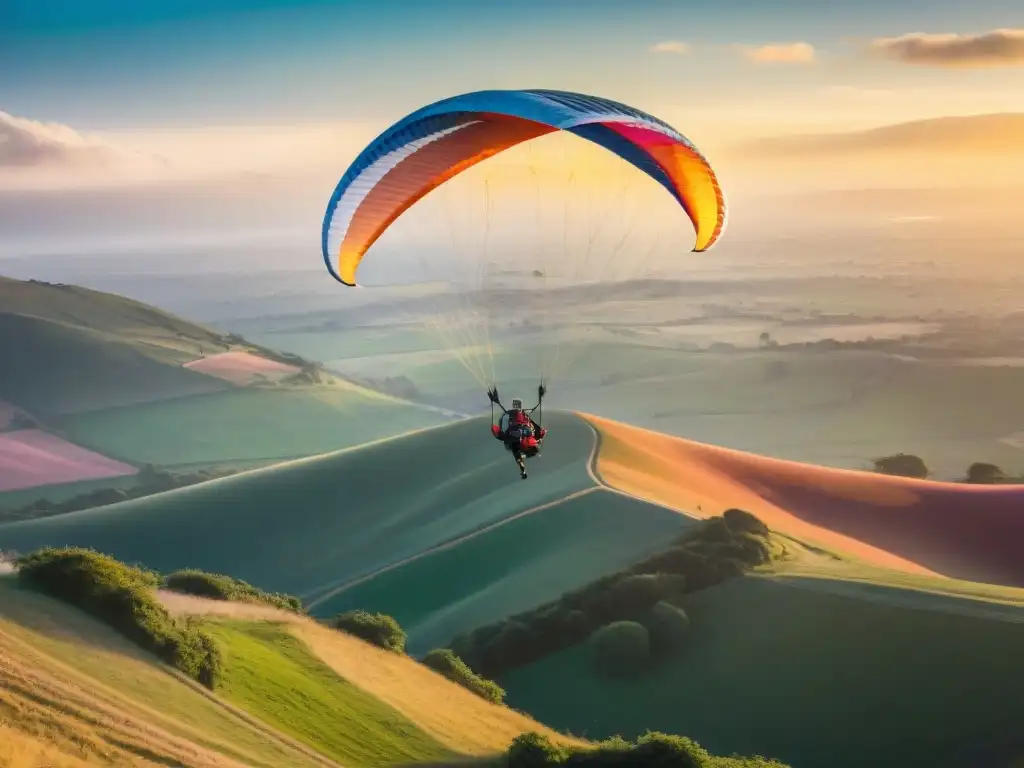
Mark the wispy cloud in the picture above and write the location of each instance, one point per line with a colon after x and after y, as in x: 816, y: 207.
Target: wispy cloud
x: 27, y: 144
x: 38, y: 155
x: 671, y: 46
x: 778, y: 53
x: 999, y: 47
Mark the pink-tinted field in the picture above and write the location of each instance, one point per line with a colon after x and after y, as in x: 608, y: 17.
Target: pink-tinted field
x: 31, y: 458
x: 6, y: 414
x: 241, y: 367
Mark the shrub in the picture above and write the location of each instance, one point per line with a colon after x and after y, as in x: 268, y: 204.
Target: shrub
x: 653, y: 750
x: 376, y: 628
x: 219, y: 587
x: 532, y: 750
x: 669, y: 628
x: 451, y: 666
x: 120, y: 596
x: 621, y: 649
x: 902, y: 464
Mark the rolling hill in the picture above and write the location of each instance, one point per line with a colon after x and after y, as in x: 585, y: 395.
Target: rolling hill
x: 74, y: 693
x: 306, y: 526
x: 438, y: 531
x: 65, y: 369
x: 962, y: 531
x: 137, y: 385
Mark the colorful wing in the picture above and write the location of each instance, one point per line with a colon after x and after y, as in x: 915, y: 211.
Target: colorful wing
x: 433, y: 144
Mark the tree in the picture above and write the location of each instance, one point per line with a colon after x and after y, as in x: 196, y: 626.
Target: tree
x: 902, y: 464
x: 983, y: 473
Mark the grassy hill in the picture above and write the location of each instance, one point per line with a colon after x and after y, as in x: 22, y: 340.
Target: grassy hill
x: 511, y: 567
x: 74, y: 693
x: 307, y: 526
x: 814, y: 678
x: 84, y: 692
x: 106, y: 313
x: 818, y: 661
x: 954, y: 529
x: 127, y: 380
x: 66, y: 369
x: 79, y: 349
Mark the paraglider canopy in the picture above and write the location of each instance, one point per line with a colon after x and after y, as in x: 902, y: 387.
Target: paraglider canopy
x: 433, y: 144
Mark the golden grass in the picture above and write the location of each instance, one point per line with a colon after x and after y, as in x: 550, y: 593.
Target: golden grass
x: 19, y: 750
x: 704, y: 481
x: 56, y: 713
x: 448, y: 712
x: 95, y: 676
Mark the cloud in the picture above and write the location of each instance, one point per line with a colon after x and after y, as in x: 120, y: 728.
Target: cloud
x: 38, y: 155
x: 26, y: 144
x: 779, y: 53
x: 670, y: 46
x: 1000, y: 47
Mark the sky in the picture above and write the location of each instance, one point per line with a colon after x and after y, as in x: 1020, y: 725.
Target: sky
x: 261, y: 100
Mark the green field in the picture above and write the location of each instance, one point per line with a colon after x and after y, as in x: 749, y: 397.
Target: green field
x: 512, y: 568
x: 273, y: 676
x: 307, y: 526
x: 813, y: 678
x: 244, y: 425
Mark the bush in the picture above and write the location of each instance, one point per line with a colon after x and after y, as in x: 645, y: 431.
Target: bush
x: 653, y: 750
x: 120, y: 595
x: 669, y: 628
x: 621, y: 649
x: 451, y: 666
x: 532, y: 750
x: 376, y: 628
x: 219, y: 587
x: 902, y: 464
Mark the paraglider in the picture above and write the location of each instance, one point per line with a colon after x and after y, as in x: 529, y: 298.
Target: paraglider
x: 516, y: 428
x: 438, y: 142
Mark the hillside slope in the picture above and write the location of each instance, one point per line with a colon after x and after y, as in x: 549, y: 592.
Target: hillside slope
x: 306, y: 526
x: 817, y: 678
x: 65, y: 369
x: 105, y: 313
x: 462, y: 721
x: 291, y: 692
x: 963, y: 531
x: 139, y: 385
x: 77, y: 691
